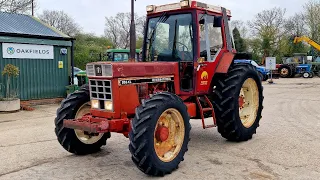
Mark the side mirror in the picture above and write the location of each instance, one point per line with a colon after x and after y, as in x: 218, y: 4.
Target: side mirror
x: 217, y: 21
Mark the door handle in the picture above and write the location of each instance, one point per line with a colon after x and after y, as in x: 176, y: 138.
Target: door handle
x: 200, y: 65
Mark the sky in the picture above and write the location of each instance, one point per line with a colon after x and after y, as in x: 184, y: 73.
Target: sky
x: 90, y: 14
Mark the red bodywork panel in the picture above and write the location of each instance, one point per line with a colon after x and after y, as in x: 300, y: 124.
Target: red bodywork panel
x: 224, y: 63
x: 142, y: 69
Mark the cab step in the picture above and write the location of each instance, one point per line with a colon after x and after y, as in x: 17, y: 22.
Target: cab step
x: 202, y: 110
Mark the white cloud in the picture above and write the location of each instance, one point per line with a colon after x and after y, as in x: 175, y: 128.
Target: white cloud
x: 90, y: 14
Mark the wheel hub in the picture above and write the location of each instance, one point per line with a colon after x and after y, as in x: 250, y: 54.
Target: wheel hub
x: 162, y: 133
x: 241, y: 102
x: 284, y: 71
x: 169, y: 135
x: 83, y: 136
x: 248, y: 102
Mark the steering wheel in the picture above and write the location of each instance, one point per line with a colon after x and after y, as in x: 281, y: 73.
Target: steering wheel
x: 177, y: 42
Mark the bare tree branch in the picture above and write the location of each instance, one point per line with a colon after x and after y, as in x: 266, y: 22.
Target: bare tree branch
x: 16, y: 6
x: 61, y: 21
x: 118, y: 28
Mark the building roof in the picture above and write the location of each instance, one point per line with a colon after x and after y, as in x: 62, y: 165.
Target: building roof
x: 25, y: 25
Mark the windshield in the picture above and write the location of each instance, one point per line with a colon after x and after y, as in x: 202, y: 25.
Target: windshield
x: 121, y: 56
x: 170, y: 38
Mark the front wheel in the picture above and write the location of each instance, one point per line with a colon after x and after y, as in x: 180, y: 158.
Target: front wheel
x: 238, y: 98
x: 306, y: 75
x: 160, y: 134
x: 77, y: 141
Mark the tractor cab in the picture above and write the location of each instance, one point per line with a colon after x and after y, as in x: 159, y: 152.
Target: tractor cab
x: 191, y: 33
x: 121, y: 55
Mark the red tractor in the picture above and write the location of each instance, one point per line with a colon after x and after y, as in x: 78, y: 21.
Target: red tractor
x: 187, y: 72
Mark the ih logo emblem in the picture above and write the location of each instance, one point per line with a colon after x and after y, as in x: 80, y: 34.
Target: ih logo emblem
x: 204, y: 78
x: 10, y: 50
x: 98, y: 70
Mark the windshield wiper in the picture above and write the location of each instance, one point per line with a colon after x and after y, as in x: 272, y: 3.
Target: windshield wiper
x: 162, y: 18
x: 174, y: 49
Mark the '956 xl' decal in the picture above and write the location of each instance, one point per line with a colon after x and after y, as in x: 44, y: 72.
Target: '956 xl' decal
x: 145, y: 80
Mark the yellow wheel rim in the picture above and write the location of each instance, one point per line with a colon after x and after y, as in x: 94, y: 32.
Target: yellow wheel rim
x: 83, y: 136
x: 284, y: 71
x: 248, y: 102
x: 169, y: 135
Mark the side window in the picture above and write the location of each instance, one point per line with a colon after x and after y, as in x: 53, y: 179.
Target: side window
x: 210, y: 35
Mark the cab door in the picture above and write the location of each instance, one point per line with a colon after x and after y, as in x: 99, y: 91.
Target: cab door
x: 210, y: 48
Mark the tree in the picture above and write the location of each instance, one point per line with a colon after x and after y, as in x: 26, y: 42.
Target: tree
x: 268, y: 26
x: 118, y: 29
x: 16, y: 6
x: 239, y: 41
x: 241, y: 26
x: 90, y: 48
x: 61, y: 21
x: 312, y: 18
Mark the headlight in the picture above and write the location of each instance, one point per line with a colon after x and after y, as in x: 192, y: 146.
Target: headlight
x: 95, y: 104
x: 108, y: 105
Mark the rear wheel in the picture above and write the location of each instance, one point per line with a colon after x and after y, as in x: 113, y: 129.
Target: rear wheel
x: 238, y: 98
x: 285, y: 71
x: 160, y: 134
x: 77, y: 141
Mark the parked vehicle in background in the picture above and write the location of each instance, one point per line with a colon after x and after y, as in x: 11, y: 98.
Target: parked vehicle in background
x: 121, y: 55
x: 298, y: 64
x: 263, y: 72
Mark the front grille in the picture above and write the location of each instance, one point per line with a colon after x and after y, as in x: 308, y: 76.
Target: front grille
x: 90, y: 70
x: 104, y: 70
x: 100, y: 90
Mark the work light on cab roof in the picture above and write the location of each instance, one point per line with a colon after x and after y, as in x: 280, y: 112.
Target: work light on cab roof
x: 185, y: 4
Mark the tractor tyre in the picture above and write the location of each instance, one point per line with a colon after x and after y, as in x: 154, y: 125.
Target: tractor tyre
x: 237, y: 99
x: 293, y: 73
x: 311, y: 75
x: 285, y: 71
x: 261, y: 76
x: 306, y: 75
x: 159, y: 134
x: 77, y: 141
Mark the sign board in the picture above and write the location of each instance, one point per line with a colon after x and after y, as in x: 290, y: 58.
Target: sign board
x: 60, y: 64
x: 27, y: 51
x: 271, y: 63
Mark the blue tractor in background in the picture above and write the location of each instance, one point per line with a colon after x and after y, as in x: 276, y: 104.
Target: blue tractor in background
x: 263, y: 72
x: 296, y: 65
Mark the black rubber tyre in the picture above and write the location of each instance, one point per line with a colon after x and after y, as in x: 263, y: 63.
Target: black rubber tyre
x: 225, y: 100
x: 306, y: 75
x: 286, y: 67
x: 293, y: 74
x: 67, y: 137
x: 261, y: 76
x: 142, y: 134
x: 311, y: 75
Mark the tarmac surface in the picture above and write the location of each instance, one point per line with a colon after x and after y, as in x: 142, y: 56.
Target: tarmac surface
x: 286, y: 145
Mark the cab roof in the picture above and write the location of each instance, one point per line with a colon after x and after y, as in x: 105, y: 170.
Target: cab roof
x: 183, y: 4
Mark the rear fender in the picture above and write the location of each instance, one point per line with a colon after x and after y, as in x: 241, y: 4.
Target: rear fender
x: 225, y: 63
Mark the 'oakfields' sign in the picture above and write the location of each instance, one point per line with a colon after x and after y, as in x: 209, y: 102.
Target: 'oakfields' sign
x: 27, y: 51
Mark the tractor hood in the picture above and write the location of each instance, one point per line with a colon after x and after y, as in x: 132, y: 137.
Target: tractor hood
x: 131, y: 69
